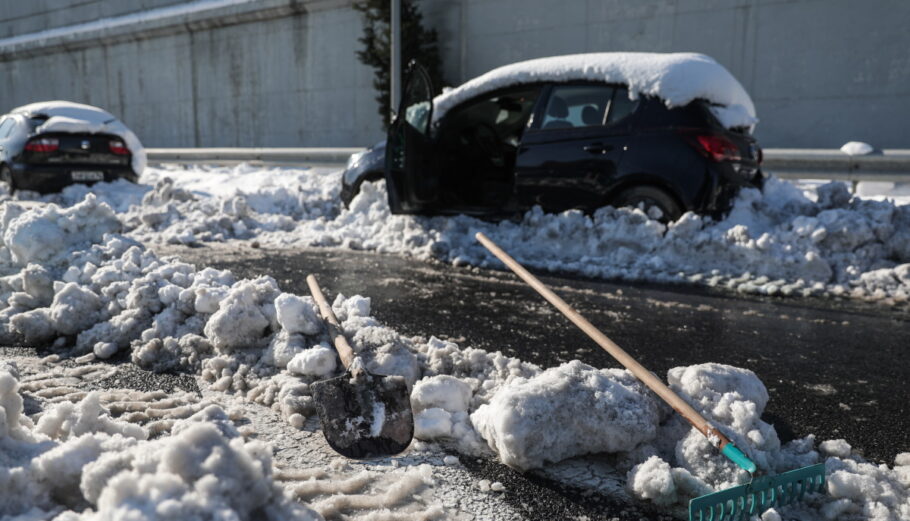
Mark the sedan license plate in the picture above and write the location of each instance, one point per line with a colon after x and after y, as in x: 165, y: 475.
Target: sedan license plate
x: 88, y: 175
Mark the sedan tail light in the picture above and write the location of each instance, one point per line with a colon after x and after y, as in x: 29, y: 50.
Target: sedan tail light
x: 43, y: 144
x: 117, y: 147
x: 717, y: 148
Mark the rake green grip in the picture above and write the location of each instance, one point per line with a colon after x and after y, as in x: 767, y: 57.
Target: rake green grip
x: 736, y: 456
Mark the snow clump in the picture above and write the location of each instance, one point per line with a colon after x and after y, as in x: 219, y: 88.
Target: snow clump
x: 685, y: 464
x: 567, y: 411
x: 78, y: 458
x: 857, y: 148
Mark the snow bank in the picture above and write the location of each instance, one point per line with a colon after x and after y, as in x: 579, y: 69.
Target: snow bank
x: 676, y: 78
x: 66, y: 116
x: 780, y: 241
x: 684, y: 464
x: 78, y: 458
x: 104, y: 293
x: 241, y: 203
x: 774, y: 242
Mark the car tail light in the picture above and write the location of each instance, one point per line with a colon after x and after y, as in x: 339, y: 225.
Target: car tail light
x: 717, y: 148
x: 43, y: 144
x: 117, y: 147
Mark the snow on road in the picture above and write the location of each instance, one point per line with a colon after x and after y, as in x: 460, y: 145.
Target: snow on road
x: 815, y: 239
x: 71, y: 281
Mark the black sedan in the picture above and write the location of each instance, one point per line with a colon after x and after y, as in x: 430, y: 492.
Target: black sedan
x: 573, y: 143
x: 46, y: 146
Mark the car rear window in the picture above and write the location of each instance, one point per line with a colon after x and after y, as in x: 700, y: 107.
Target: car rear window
x: 574, y: 106
x: 36, y: 121
x: 654, y: 113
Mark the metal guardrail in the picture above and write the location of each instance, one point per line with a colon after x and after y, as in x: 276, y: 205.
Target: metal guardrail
x: 263, y: 156
x: 787, y: 163
x: 795, y: 163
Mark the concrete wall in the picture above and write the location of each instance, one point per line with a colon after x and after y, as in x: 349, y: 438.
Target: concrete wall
x: 291, y: 80
x: 822, y: 72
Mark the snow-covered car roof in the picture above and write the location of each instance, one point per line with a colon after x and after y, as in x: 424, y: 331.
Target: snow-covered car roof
x: 66, y: 109
x: 66, y: 116
x: 676, y: 78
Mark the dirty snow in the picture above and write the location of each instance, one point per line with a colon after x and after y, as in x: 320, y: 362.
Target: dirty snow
x: 77, y: 456
x: 806, y: 240
x: 567, y: 411
x: 66, y: 116
x: 676, y: 78
x: 100, y: 292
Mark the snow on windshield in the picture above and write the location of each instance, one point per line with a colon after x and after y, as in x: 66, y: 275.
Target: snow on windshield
x: 676, y: 78
x: 66, y: 116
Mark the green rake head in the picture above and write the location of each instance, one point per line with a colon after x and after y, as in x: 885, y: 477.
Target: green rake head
x: 762, y: 493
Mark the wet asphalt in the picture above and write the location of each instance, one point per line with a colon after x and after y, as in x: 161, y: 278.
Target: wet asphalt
x: 838, y: 369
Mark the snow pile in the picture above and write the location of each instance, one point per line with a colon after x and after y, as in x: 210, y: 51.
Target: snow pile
x: 78, y: 458
x: 66, y: 116
x: 857, y: 148
x: 684, y: 464
x: 242, y: 204
x: 774, y: 242
x: 676, y: 78
x: 778, y: 241
x: 567, y: 411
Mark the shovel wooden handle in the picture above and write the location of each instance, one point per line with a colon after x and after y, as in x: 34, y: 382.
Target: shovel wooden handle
x: 335, y: 332
x: 647, y: 377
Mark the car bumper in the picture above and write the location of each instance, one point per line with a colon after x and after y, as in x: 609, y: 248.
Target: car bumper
x: 347, y: 194
x: 54, y: 178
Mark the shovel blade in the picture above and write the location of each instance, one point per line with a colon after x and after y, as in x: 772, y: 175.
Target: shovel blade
x: 365, y: 415
x: 751, y: 499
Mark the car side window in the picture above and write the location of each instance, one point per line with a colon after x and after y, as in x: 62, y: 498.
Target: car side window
x: 505, y: 114
x: 620, y: 106
x: 576, y: 106
x: 6, y: 127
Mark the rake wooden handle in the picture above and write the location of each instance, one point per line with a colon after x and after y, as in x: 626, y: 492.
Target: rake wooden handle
x: 335, y: 332
x: 647, y: 377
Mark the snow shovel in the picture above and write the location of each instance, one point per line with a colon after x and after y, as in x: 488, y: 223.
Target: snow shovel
x: 736, y: 503
x: 363, y: 415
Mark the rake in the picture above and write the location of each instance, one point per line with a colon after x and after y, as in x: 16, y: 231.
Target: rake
x: 735, y: 503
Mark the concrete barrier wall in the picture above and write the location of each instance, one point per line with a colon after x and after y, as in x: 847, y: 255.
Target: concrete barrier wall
x: 287, y: 80
x: 822, y: 72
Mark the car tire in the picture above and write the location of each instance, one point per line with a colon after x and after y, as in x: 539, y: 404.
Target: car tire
x: 646, y: 197
x: 6, y: 175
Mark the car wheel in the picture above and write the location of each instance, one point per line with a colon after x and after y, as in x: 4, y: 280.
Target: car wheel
x: 647, y: 197
x: 6, y: 175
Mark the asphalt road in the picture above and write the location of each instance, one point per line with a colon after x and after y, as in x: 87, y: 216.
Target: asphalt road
x: 839, y: 370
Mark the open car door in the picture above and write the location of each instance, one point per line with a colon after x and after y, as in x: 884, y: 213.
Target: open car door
x: 411, y: 180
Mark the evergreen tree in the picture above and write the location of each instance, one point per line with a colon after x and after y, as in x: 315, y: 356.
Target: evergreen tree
x: 417, y: 43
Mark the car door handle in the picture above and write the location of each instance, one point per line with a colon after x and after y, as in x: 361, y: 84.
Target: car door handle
x: 597, y: 148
